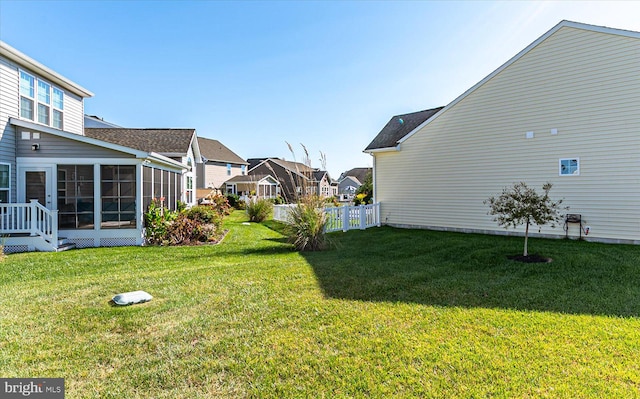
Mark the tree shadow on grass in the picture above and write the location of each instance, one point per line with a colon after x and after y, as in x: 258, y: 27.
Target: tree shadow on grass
x: 469, y: 270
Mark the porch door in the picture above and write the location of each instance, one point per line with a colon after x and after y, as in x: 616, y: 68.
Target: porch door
x: 37, y: 184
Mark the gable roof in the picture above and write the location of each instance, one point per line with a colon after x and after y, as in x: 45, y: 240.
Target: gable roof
x: 560, y: 25
x: 33, y: 65
x: 213, y: 150
x: 398, y: 127
x: 251, y: 179
x: 358, y: 173
x: 169, y: 142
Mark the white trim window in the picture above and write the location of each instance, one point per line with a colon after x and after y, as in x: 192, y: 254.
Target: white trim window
x: 569, y: 167
x: 40, y: 101
x: 5, y: 183
x: 228, y: 169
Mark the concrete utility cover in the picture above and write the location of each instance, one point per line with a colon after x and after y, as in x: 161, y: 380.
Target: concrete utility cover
x: 130, y: 298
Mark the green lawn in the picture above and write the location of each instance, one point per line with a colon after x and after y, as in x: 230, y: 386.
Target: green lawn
x: 385, y: 313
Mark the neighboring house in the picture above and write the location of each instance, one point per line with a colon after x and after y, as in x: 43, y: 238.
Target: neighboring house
x: 253, y: 186
x: 294, y: 178
x: 219, y: 164
x: 88, y: 191
x: 180, y: 145
x: 564, y: 110
x: 350, y: 181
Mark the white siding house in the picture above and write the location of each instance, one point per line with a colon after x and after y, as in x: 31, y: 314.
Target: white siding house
x: 565, y: 110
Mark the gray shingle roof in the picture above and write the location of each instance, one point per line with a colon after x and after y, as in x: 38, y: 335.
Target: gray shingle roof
x: 169, y: 142
x: 359, y: 173
x: 398, y: 127
x: 213, y: 150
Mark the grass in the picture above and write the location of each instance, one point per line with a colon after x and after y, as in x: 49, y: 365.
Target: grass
x: 386, y: 313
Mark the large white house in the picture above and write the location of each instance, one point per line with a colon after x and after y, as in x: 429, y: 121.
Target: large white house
x: 564, y: 110
x: 61, y: 187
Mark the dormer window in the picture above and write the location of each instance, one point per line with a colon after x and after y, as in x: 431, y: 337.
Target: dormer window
x: 40, y: 101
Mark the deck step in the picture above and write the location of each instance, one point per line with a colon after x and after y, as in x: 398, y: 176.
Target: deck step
x: 64, y: 244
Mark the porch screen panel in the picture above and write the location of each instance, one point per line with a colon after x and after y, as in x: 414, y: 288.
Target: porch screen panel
x: 75, y: 196
x: 147, y: 187
x: 179, y: 188
x: 165, y: 190
x: 118, y: 184
x: 157, y: 184
x: 171, y: 199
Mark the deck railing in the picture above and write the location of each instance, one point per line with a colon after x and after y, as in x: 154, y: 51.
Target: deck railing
x: 32, y: 218
x: 339, y: 218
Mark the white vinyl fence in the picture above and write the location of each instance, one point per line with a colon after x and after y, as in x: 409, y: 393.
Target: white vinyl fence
x: 339, y: 218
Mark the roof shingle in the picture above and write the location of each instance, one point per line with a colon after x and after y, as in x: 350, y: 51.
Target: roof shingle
x: 162, y: 141
x: 213, y: 150
x: 398, y: 127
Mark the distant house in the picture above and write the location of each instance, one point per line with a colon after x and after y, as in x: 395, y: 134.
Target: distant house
x: 253, y: 187
x: 58, y: 186
x: 350, y: 181
x: 564, y: 110
x: 294, y: 178
x: 219, y: 164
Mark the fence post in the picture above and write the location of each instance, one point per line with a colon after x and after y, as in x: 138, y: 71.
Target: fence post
x: 363, y: 217
x: 377, y: 213
x: 345, y: 218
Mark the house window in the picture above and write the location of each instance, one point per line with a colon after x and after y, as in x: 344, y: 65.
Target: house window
x: 569, y: 167
x: 243, y: 169
x: 5, y: 182
x: 44, y: 102
x: 40, y: 101
x: 58, y: 107
x: 27, y: 95
x: 228, y: 169
x: 118, y: 196
x: 75, y: 197
x: 189, y: 192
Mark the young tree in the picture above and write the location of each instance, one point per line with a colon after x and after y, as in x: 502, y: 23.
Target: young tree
x: 521, y: 204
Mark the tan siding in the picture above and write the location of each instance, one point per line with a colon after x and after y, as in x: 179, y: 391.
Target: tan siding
x: 216, y: 174
x: 583, y: 83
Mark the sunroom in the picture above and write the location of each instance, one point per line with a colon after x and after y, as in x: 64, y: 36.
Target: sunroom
x: 72, y: 190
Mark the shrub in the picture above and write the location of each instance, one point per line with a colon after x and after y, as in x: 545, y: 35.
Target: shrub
x: 259, y: 210
x: 307, y: 222
x: 190, y: 226
x: 220, y: 203
x: 156, y: 222
x: 232, y: 200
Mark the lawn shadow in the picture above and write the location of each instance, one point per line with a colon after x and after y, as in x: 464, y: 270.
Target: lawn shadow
x: 470, y: 270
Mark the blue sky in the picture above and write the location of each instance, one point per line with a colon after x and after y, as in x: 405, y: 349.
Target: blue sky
x: 257, y: 74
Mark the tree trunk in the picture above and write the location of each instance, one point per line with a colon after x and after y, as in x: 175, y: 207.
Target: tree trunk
x: 526, y: 239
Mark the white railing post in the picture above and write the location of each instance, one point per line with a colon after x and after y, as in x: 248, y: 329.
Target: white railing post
x: 363, y: 217
x: 377, y: 211
x: 54, y: 228
x: 32, y: 216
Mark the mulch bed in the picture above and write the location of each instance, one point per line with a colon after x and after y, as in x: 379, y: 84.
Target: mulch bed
x: 534, y: 258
